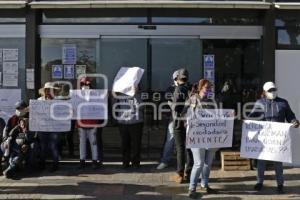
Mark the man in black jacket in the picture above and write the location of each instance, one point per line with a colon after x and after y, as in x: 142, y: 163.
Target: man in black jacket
x: 181, y: 94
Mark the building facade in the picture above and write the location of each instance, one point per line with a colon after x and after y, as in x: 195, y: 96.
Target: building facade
x: 244, y: 37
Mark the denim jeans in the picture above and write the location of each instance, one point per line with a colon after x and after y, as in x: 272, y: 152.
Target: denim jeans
x: 261, y: 167
x: 169, y: 144
x: 202, y: 164
x: 90, y: 134
x: 49, y: 141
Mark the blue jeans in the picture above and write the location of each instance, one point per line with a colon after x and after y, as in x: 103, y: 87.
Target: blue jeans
x: 261, y: 167
x: 49, y: 141
x: 169, y: 144
x: 203, y: 159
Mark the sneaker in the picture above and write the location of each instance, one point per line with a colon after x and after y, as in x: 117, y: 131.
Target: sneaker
x: 178, y: 178
x: 162, y: 166
x: 187, y: 178
x: 208, y: 190
x: 7, y: 173
x: 82, y: 164
x: 280, y: 189
x: 192, y: 194
x: 258, y: 186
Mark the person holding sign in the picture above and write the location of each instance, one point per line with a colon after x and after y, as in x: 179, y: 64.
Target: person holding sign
x: 202, y: 157
x: 48, y: 139
x: 274, y: 109
x: 87, y: 130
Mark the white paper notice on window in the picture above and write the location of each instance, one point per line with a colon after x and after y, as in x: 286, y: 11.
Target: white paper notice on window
x: 10, y: 54
x: 127, y: 79
x: 10, y: 74
x: 30, y: 78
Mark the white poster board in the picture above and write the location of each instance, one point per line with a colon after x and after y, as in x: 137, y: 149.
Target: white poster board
x: 69, y: 54
x: 8, y: 99
x: 127, y: 79
x: 266, y: 141
x: 209, y: 128
x: 46, y: 116
x: 89, y: 104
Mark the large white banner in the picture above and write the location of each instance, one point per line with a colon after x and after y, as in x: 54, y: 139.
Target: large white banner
x: 127, y: 79
x: 209, y: 128
x: 89, y: 104
x: 8, y: 99
x: 49, y: 116
x: 266, y: 141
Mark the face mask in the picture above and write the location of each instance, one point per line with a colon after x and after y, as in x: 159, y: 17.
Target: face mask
x: 206, y: 93
x: 175, y: 83
x: 85, y: 87
x: 271, y: 95
x: 20, y: 113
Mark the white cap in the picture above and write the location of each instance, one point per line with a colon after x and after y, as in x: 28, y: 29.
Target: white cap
x: 269, y: 85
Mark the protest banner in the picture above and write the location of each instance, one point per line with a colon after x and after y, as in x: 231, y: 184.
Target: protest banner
x: 209, y: 128
x: 49, y: 116
x: 89, y: 104
x: 266, y: 141
x: 127, y: 79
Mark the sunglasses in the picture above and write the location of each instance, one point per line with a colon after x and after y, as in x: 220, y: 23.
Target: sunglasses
x: 272, y: 90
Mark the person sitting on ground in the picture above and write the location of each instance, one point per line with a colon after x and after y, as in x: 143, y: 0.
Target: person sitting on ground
x: 21, y: 146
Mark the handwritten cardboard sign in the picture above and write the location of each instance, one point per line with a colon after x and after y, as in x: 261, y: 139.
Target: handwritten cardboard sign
x: 48, y: 116
x: 266, y: 141
x: 209, y: 128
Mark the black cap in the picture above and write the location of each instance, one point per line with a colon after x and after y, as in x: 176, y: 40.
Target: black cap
x: 183, y: 73
x: 21, y: 104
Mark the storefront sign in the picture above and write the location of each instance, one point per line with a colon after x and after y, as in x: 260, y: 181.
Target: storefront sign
x: 10, y: 74
x: 266, y: 141
x: 209, y: 128
x: 89, y: 104
x: 69, y: 56
x: 69, y: 71
x: 57, y: 71
x: 8, y: 99
x: 80, y: 69
x: 49, y: 116
x: 10, y: 54
x: 127, y: 79
x: 209, y: 72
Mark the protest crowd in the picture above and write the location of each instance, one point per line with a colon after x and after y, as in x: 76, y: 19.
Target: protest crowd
x: 24, y: 148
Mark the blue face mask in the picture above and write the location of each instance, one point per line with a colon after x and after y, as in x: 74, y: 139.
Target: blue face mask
x: 206, y: 93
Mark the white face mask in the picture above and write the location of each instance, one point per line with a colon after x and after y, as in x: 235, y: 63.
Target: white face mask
x: 175, y: 83
x: 85, y: 87
x: 271, y: 95
x: 20, y: 113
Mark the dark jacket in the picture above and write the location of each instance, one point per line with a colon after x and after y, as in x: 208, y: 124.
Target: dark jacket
x: 181, y: 94
x: 277, y: 110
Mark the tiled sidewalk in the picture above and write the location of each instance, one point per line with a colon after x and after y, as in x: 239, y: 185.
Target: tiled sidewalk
x: 113, y: 183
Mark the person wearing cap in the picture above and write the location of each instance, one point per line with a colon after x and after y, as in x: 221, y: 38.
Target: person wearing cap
x: 274, y: 109
x: 21, y: 112
x: 87, y: 130
x: 48, y: 140
x: 169, y: 138
x: 180, y: 95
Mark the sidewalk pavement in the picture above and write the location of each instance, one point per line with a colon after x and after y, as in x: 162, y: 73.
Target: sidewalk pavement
x: 110, y: 182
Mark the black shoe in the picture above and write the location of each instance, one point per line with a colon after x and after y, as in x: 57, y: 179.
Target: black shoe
x: 94, y: 164
x: 258, y: 186
x: 82, y: 164
x: 280, y: 189
x: 53, y: 168
x: 7, y: 173
x: 136, y: 166
x: 192, y: 194
x: 208, y: 190
x: 125, y: 165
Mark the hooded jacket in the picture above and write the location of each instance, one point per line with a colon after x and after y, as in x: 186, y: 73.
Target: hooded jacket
x: 276, y: 110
